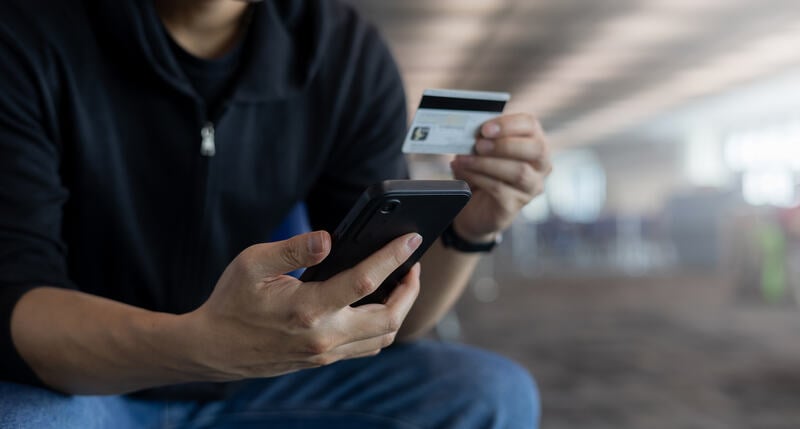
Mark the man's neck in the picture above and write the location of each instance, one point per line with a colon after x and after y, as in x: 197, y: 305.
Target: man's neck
x: 204, y: 28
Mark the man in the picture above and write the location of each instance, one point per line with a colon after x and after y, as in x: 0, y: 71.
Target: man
x: 148, y: 149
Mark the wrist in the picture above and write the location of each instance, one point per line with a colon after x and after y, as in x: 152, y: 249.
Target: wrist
x: 475, y: 238
x: 199, y: 355
x: 178, y: 347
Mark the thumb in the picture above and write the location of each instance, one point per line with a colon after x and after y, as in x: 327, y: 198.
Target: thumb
x: 300, y: 251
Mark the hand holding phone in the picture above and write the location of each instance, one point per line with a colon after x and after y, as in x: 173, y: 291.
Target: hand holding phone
x: 384, y: 212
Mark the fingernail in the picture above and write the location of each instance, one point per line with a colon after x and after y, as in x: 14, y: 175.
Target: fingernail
x: 315, y: 243
x: 413, y: 242
x: 484, y: 146
x: 490, y: 130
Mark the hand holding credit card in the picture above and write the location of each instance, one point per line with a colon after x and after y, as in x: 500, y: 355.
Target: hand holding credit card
x: 447, y: 120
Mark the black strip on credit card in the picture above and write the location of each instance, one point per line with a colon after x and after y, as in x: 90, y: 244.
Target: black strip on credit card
x: 453, y: 103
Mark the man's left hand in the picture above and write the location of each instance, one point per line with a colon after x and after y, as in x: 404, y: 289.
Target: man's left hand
x: 506, y: 172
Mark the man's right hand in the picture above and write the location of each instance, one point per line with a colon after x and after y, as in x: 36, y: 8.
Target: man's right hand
x: 259, y: 322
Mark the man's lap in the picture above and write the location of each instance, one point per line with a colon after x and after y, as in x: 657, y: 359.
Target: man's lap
x: 423, y: 384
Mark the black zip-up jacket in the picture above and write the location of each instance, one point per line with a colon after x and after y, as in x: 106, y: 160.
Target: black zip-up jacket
x: 104, y: 187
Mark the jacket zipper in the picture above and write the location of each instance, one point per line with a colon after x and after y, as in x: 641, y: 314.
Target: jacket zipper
x: 196, y: 264
x: 207, y: 145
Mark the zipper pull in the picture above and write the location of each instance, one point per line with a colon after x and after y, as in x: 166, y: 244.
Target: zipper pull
x: 207, y: 145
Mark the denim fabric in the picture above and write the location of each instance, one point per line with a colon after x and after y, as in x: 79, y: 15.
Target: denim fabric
x: 420, y: 385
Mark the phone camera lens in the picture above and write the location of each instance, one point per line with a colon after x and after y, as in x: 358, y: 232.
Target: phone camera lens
x: 389, y: 206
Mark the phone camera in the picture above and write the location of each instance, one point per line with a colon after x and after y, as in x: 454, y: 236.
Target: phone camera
x: 389, y: 206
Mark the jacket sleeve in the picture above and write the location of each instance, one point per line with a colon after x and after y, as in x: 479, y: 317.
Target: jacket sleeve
x: 32, y: 252
x: 369, y: 141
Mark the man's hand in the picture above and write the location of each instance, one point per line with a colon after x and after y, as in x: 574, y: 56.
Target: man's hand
x: 507, y: 171
x: 260, y: 323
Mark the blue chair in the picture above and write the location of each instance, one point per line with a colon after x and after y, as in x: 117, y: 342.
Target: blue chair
x: 296, y: 222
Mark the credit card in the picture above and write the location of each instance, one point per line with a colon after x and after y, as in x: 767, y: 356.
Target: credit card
x: 448, y: 120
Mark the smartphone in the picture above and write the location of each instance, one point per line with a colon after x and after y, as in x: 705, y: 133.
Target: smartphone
x: 384, y: 212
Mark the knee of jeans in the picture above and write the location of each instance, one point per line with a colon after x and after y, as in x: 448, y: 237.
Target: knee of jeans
x: 510, y: 391
x: 28, y: 406
x: 499, y: 386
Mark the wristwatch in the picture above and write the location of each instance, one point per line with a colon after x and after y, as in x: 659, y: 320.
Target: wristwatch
x: 452, y: 240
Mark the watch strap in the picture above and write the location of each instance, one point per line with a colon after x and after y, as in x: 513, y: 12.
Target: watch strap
x: 452, y: 240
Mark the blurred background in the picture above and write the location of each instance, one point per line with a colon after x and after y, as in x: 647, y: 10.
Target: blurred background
x: 657, y: 283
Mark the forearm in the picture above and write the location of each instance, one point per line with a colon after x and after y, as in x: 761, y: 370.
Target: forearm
x: 505, y: 172
x: 445, y: 274
x: 83, y: 344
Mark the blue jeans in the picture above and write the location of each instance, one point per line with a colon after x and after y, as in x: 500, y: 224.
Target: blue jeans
x: 419, y: 385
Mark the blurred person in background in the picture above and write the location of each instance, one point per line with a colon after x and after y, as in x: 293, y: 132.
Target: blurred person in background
x: 149, y: 150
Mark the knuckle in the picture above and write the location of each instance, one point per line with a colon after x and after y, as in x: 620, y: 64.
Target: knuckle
x: 364, y: 284
x: 399, y: 256
x: 291, y: 255
x: 393, y: 322
x: 524, y: 174
x: 319, y: 345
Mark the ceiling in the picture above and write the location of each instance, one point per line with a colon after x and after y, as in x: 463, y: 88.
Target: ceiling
x: 590, y: 69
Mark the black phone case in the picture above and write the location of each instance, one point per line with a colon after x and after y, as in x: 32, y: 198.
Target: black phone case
x: 384, y: 212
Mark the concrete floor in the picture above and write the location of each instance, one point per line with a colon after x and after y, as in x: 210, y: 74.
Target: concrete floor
x: 669, y: 352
